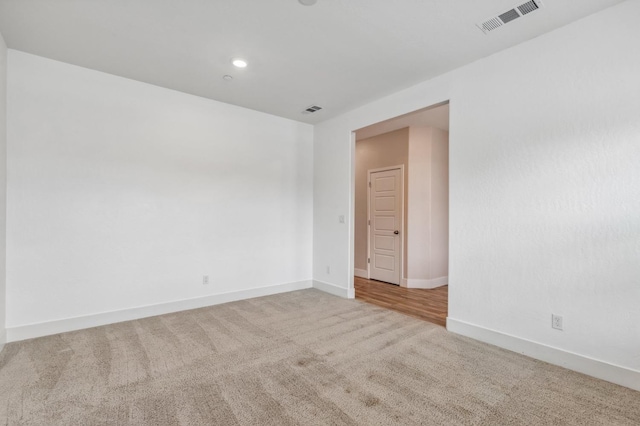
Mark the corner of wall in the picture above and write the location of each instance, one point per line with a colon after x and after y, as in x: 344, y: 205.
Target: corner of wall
x: 347, y: 293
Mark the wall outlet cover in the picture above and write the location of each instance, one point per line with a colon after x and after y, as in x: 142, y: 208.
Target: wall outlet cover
x: 556, y: 322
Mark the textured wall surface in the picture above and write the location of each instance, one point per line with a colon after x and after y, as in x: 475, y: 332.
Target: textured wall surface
x: 545, y: 189
x: 544, y: 178
x: 3, y: 184
x: 123, y: 194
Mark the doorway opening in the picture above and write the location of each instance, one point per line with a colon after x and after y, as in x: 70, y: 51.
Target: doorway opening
x: 401, y: 213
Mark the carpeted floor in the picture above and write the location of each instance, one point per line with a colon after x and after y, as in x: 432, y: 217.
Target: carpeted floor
x: 304, y: 357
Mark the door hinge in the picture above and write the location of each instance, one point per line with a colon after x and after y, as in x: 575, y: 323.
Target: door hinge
x: 369, y: 184
x: 368, y: 260
x: 368, y: 222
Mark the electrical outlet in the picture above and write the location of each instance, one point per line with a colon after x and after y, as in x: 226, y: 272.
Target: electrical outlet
x: 328, y: 269
x: 205, y: 280
x: 341, y: 218
x: 556, y: 322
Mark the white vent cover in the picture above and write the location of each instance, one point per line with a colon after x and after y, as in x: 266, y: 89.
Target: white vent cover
x: 311, y: 109
x: 516, y: 12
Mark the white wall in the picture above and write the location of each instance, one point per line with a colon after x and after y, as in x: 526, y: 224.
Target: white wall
x: 3, y: 186
x: 123, y: 195
x: 428, y: 208
x: 544, y: 200
x: 419, y: 205
x: 388, y: 149
x: 439, y: 217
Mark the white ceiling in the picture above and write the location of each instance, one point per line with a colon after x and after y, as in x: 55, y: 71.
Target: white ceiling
x: 432, y: 117
x: 338, y: 54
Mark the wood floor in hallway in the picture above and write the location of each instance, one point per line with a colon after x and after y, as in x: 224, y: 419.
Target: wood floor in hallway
x: 429, y: 305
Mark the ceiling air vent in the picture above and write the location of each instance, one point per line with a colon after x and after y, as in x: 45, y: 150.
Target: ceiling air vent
x: 311, y: 109
x: 529, y: 7
x: 510, y: 15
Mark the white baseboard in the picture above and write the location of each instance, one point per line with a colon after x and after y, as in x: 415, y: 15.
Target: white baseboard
x: 602, y: 370
x: 362, y: 273
x: 78, y: 323
x: 347, y: 293
x: 3, y: 338
x: 433, y: 283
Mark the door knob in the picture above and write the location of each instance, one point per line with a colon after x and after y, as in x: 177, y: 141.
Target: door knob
x: 396, y: 232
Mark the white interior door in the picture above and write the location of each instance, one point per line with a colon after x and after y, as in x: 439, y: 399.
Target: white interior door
x: 385, y: 213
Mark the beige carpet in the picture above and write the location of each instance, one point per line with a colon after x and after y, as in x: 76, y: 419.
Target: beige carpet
x: 298, y: 358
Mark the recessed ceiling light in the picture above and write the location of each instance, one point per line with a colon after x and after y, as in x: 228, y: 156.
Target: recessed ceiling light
x: 307, y: 2
x: 240, y: 63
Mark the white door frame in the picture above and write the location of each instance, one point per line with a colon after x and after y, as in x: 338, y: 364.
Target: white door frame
x: 369, y: 172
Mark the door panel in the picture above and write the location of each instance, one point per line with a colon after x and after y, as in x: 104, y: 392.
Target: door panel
x: 384, y: 262
x: 385, y: 212
x: 386, y: 223
x: 384, y: 243
x: 386, y: 183
x: 385, y: 204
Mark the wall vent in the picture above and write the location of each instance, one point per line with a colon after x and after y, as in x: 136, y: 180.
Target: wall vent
x: 510, y: 15
x: 311, y: 109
